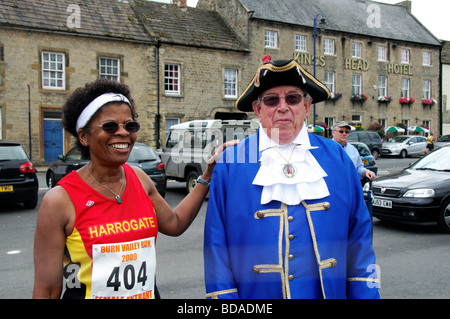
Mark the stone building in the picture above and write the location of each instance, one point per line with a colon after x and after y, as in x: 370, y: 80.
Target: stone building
x: 173, y: 58
x: 369, y: 52
x: 185, y: 63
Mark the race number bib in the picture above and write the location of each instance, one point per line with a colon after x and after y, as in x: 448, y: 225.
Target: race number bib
x: 124, y: 270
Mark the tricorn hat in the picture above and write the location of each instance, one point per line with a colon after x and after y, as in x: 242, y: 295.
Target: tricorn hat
x: 277, y: 73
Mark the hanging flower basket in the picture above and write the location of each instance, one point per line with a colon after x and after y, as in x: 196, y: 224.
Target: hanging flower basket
x: 384, y: 99
x: 407, y: 100
x: 334, y: 97
x: 429, y: 102
x: 359, y: 98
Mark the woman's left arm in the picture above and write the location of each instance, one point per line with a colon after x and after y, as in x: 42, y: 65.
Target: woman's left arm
x: 174, y: 222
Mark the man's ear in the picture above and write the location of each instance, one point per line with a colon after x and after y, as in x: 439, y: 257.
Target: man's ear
x: 256, y: 108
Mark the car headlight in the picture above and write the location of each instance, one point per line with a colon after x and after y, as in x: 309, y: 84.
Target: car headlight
x: 420, y: 193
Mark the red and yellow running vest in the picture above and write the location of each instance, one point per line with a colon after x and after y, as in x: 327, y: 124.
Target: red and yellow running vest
x: 111, y: 251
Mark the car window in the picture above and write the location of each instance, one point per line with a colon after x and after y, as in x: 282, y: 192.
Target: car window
x: 375, y: 137
x: 13, y: 152
x: 74, y: 154
x: 421, y: 139
x: 437, y: 160
x: 353, y: 137
x: 364, y: 137
x: 413, y: 140
x: 445, y: 138
x: 142, y: 152
x: 398, y: 139
x: 362, y: 149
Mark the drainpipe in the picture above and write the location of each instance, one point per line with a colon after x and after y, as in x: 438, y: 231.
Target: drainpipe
x: 29, y: 119
x: 158, y: 115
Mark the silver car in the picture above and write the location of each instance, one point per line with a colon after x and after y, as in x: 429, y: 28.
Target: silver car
x: 404, y: 145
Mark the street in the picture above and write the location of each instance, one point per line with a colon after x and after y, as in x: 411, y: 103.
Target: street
x: 413, y: 258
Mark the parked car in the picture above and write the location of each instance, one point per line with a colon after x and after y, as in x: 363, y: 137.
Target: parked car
x: 442, y: 141
x: 420, y: 193
x: 366, y: 157
x: 189, y: 145
x: 142, y: 155
x: 404, y: 145
x: 18, y: 179
x: 370, y: 138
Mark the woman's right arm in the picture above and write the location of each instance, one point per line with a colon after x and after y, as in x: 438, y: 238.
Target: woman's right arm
x: 53, y: 222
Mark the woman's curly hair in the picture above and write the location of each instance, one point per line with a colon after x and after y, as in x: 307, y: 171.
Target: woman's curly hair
x: 81, y: 98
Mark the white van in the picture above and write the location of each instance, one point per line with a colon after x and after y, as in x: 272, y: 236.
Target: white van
x: 190, y: 144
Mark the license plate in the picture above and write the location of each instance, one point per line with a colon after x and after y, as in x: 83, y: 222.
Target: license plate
x: 7, y: 188
x: 382, y: 203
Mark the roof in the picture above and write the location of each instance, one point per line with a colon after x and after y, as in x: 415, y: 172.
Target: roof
x: 99, y: 18
x: 350, y: 16
x: 139, y: 20
x: 187, y: 26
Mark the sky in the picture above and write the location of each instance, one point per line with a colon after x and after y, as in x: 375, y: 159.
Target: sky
x: 433, y: 14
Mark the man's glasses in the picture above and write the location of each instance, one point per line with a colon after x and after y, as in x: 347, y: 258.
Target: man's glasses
x: 112, y: 127
x: 291, y: 99
x: 343, y: 131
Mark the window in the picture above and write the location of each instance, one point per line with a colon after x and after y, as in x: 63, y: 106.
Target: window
x: 109, y: 69
x: 169, y: 123
x: 271, y: 39
x: 53, y: 71
x: 172, y: 78
x: 405, y: 88
x: 404, y: 56
x: 329, y: 80
x: 382, y: 86
x: 383, y: 122
x: 356, y: 50
x: 426, y: 58
x: 426, y: 89
x: 300, y: 43
x: 328, y: 46
x: 356, y: 84
x: 230, y: 83
x: 356, y: 119
x: 382, y: 53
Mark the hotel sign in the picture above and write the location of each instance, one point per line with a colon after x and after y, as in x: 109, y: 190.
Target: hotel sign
x: 353, y: 64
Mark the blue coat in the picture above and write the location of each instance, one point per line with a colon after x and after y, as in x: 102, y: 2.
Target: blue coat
x: 318, y: 249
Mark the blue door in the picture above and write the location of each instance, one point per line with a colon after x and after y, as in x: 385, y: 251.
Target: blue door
x: 53, y: 140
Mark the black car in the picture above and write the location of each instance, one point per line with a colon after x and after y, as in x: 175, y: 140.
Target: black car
x: 18, y: 179
x: 142, y: 155
x: 420, y: 193
x: 370, y: 138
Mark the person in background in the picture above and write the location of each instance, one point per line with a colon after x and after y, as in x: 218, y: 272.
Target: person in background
x: 430, y: 143
x: 340, y: 134
x: 286, y: 217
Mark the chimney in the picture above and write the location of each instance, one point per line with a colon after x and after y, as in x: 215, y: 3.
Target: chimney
x: 180, y: 3
x: 405, y: 4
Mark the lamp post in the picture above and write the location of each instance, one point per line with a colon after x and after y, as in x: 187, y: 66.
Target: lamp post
x: 322, y: 25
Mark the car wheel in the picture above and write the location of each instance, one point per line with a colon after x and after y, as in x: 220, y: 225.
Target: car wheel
x: 51, y: 180
x: 403, y: 154
x: 375, y: 153
x: 191, y: 181
x: 444, y: 217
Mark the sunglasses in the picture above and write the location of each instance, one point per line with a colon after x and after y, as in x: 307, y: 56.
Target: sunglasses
x: 112, y: 127
x: 291, y: 99
x: 343, y: 131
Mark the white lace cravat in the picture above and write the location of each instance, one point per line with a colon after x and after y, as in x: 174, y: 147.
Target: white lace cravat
x: 308, y: 182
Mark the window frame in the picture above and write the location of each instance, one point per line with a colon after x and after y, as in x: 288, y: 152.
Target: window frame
x: 271, y: 39
x: 172, y: 79
x: 230, y: 83
x: 107, y: 75
x: 45, y: 69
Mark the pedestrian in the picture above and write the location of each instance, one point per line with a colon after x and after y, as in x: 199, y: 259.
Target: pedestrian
x: 286, y: 217
x: 430, y: 143
x: 102, y: 220
x: 340, y: 134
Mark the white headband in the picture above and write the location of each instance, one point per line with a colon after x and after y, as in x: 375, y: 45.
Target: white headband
x: 97, y: 103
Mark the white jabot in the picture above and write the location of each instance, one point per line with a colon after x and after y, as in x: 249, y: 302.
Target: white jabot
x: 308, y: 182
